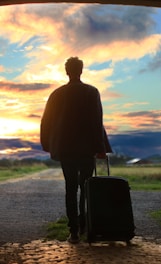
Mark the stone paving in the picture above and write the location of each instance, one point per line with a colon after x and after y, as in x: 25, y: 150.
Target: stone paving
x: 56, y: 252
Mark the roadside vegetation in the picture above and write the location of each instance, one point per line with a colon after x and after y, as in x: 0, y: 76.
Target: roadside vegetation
x: 58, y: 229
x: 157, y: 216
x: 19, y: 171
x: 11, y: 169
x: 139, y: 177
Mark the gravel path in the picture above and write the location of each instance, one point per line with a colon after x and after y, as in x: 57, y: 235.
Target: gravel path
x: 28, y: 204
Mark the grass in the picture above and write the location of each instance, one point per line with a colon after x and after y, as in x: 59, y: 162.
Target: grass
x: 140, y: 178
x: 58, y: 230
x: 19, y: 171
x: 157, y: 216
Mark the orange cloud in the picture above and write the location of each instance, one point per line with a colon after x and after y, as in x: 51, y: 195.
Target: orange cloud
x: 134, y: 104
x: 21, y: 106
x: 2, y: 69
x: 142, y: 120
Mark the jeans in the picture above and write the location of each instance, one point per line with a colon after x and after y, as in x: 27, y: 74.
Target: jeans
x: 76, y: 171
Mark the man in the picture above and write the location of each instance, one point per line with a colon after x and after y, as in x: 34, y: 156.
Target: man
x: 72, y: 132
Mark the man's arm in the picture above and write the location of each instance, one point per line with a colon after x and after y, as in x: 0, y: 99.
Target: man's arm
x: 45, y: 126
x: 97, y: 116
x: 101, y: 136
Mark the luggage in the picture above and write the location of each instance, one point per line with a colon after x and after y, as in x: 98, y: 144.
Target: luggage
x: 109, y: 209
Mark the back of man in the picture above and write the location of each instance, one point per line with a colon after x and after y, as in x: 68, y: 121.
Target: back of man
x: 74, y: 124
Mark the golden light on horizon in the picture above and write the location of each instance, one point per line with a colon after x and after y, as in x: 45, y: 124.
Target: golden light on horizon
x: 13, y: 151
x: 17, y: 128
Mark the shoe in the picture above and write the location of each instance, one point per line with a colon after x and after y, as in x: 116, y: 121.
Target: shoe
x: 73, y: 238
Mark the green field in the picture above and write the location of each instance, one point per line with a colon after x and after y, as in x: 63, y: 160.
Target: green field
x: 19, y: 171
x: 139, y: 177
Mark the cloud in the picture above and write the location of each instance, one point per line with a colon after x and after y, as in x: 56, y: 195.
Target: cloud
x: 43, y: 36
x: 24, y: 87
x: 2, y: 69
x: 77, y: 24
x: 141, y: 120
x: 97, y: 33
x: 133, y: 104
x: 34, y: 116
x: 153, y: 65
x: 97, y: 23
x: 99, y: 78
x: 109, y: 24
x: 20, y: 110
x: 150, y: 114
x: 3, y: 45
x: 144, y: 119
x: 107, y: 95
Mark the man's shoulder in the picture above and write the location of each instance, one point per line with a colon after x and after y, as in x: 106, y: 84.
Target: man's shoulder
x: 58, y: 90
x: 90, y: 87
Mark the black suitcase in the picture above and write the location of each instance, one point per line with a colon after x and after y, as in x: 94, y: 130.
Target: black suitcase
x: 109, y: 209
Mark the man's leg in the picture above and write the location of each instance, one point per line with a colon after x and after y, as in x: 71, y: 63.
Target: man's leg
x: 70, y: 172
x: 86, y: 171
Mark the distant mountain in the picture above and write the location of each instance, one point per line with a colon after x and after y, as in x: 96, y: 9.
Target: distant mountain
x: 16, y: 143
x: 19, y: 149
x: 137, y: 144
x: 134, y: 145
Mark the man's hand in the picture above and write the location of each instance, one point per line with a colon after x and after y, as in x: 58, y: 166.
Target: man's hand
x: 101, y: 155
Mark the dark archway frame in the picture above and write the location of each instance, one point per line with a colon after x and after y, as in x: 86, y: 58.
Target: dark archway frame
x: 153, y: 3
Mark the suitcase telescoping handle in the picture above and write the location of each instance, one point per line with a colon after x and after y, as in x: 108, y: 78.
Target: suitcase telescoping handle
x: 107, y: 163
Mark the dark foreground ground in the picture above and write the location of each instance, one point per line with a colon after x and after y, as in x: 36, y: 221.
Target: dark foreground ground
x: 28, y: 204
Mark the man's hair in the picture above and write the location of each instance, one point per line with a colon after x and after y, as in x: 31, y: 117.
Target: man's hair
x: 74, y: 66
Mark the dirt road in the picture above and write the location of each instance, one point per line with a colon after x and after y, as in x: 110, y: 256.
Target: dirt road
x: 28, y: 204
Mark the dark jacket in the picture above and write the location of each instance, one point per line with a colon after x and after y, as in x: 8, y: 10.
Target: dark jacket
x: 71, y: 125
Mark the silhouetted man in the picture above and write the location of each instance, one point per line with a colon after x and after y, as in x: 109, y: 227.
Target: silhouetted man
x: 72, y: 132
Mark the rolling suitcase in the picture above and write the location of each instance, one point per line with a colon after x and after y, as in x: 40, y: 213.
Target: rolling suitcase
x: 109, y: 209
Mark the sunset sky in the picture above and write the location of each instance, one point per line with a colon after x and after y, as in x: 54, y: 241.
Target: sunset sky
x: 121, y: 50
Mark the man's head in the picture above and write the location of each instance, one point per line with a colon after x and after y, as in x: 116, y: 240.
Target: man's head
x: 73, y: 67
